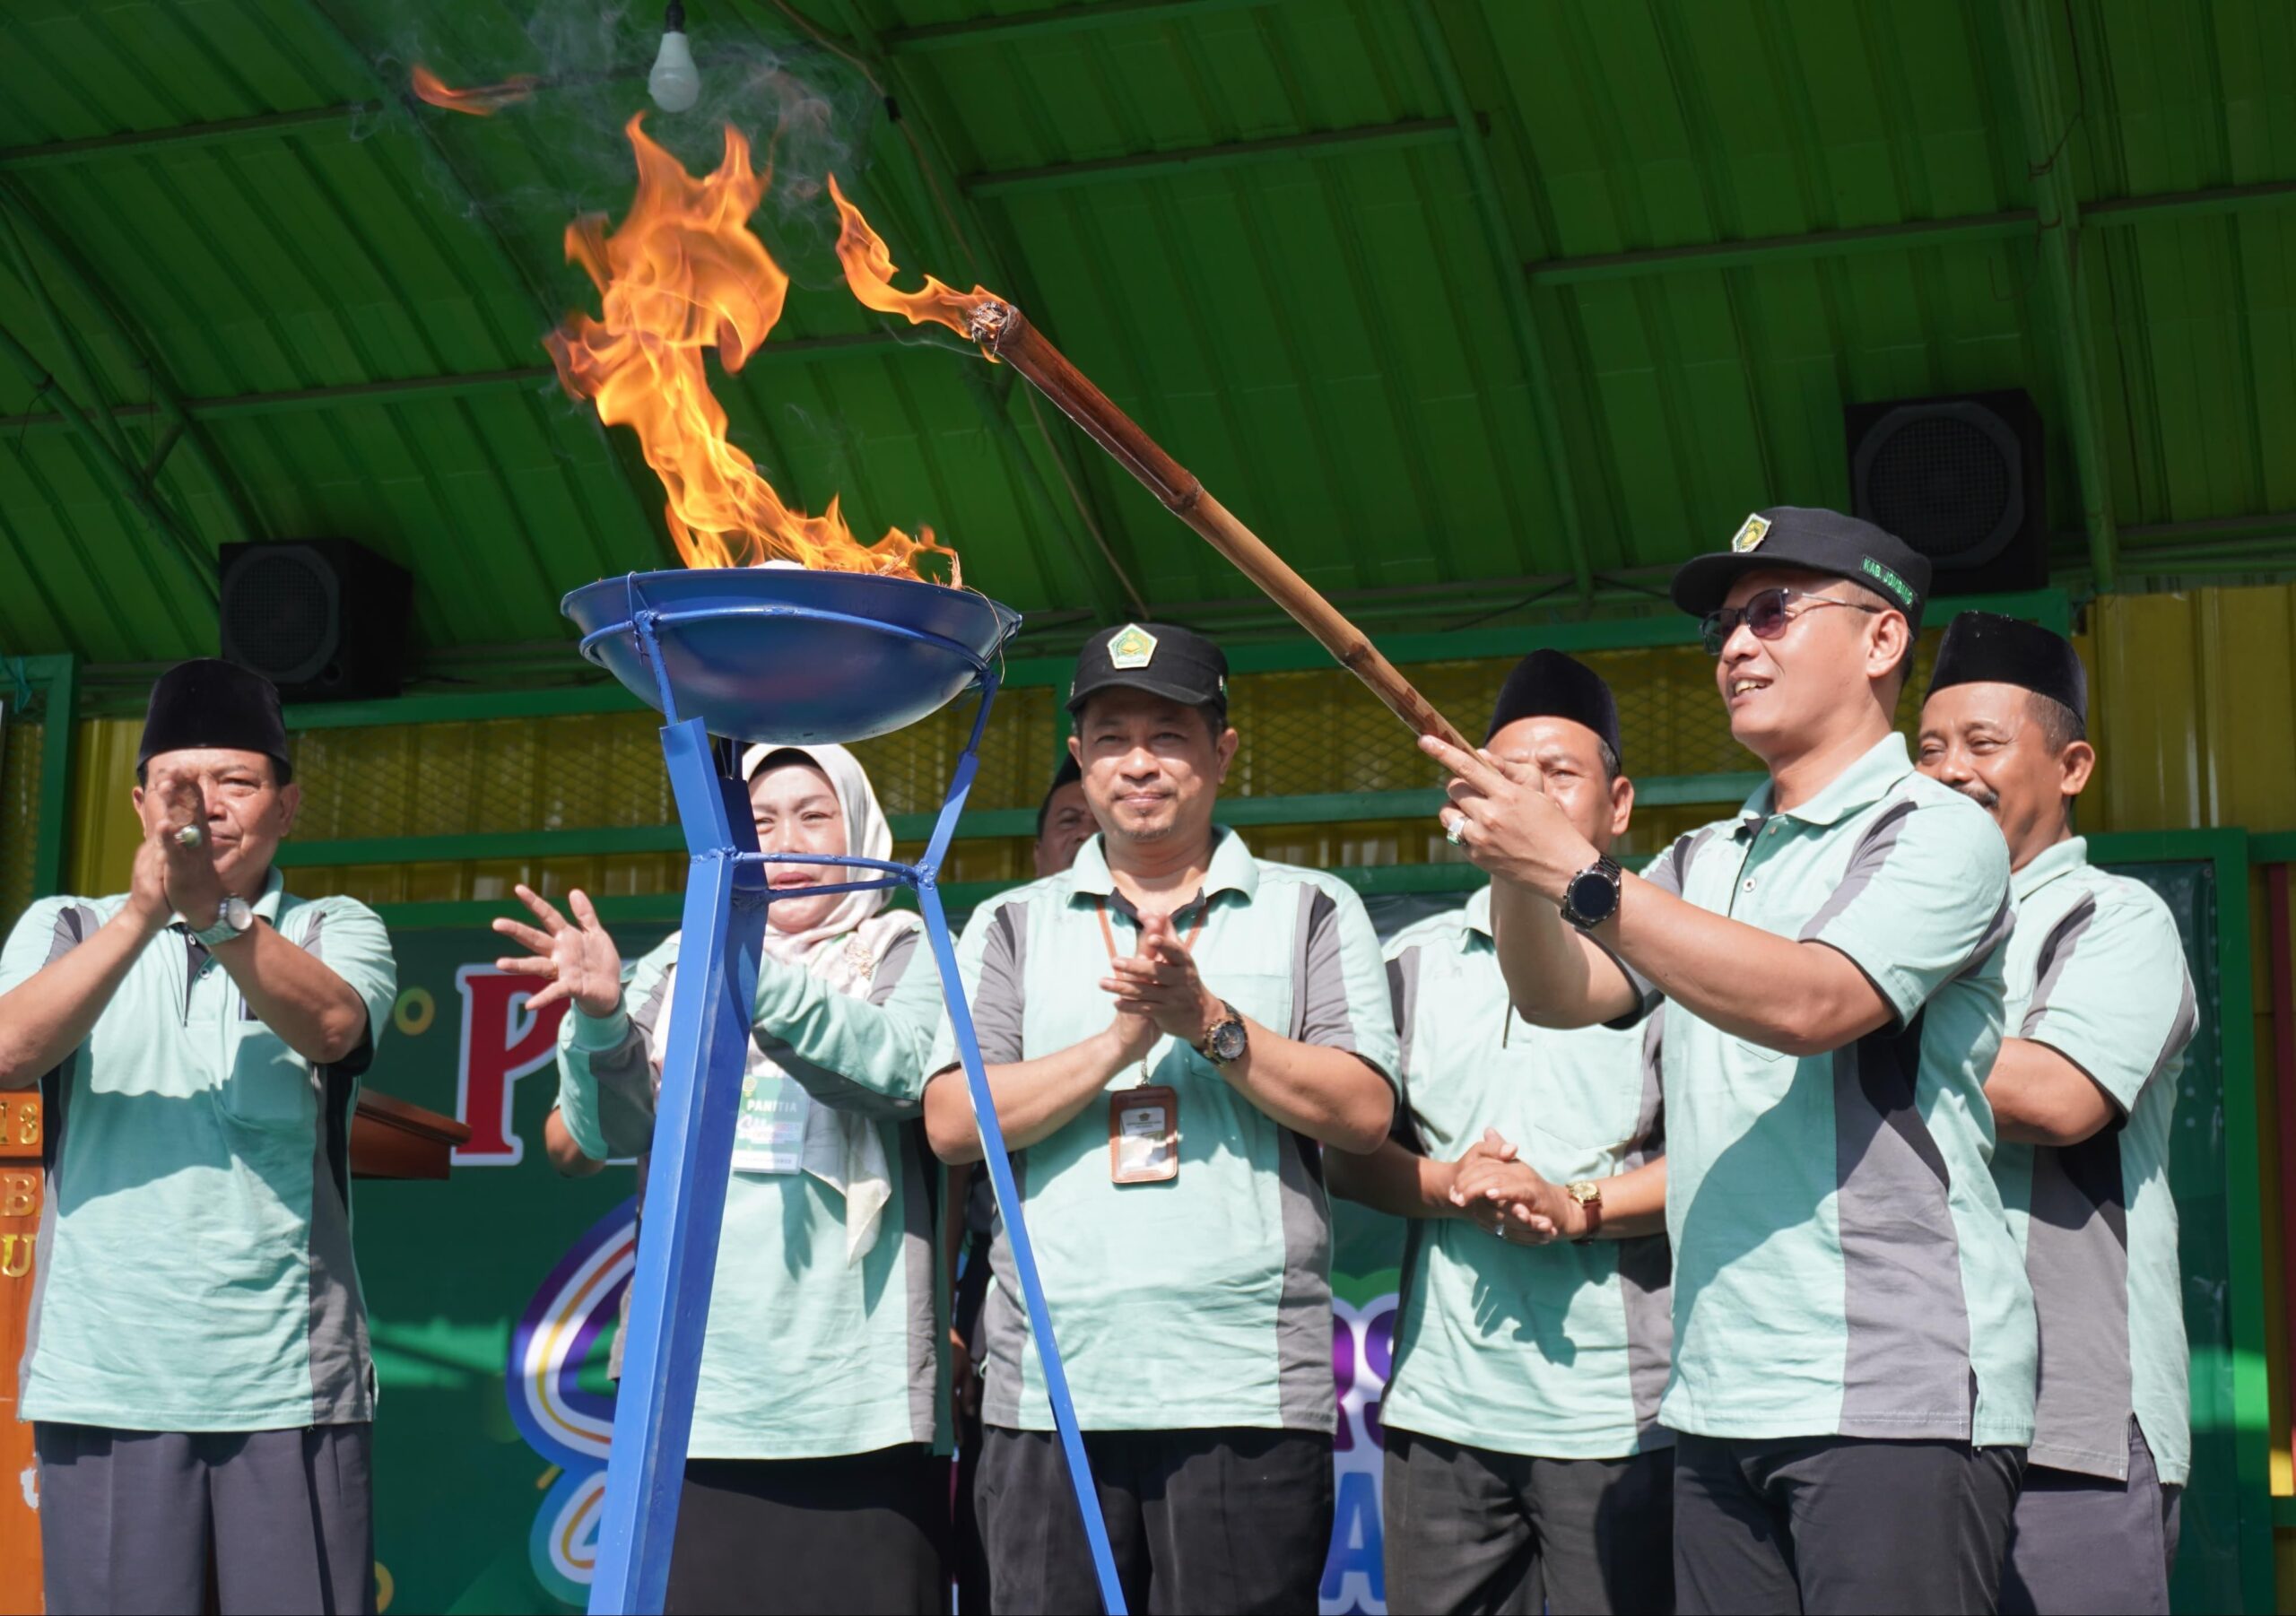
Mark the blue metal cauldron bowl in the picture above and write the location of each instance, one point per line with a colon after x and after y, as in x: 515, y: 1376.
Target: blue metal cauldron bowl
x: 784, y: 655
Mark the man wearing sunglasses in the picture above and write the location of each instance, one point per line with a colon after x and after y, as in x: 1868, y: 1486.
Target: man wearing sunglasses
x: 1854, y: 1339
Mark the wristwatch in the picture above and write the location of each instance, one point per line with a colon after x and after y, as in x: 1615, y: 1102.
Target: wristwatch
x: 1591, y: 896
x: 1588, y: 1193
x: 1226, y: 1041
x: 236, y: 918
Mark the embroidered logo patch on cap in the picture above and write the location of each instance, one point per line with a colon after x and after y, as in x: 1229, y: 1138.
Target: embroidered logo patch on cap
x: 1134, y: 648
x: 1890, y: 580
x: 1752, y: 533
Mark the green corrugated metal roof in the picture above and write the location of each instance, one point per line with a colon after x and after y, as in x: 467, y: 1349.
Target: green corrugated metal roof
x: 1320, y: 317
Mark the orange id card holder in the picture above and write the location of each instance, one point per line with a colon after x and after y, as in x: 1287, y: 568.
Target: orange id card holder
x: 1144, y: 1135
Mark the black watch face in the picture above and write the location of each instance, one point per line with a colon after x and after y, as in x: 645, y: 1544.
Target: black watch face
x: 1592, y: 897
x: 1228, y: 1040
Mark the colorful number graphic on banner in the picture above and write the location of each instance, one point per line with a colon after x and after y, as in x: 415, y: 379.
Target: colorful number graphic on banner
x: 565, y: 1423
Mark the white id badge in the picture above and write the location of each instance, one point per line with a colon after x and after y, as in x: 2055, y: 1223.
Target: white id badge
x: 1144, y: 1134
x: 770, y: 1132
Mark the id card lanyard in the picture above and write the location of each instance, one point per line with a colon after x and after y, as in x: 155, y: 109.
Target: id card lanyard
x: 1144, y: 1119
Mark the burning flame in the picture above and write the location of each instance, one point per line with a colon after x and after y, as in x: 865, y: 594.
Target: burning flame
x: 484, y: 100
x: 869, y: 273
x: 683, y: 273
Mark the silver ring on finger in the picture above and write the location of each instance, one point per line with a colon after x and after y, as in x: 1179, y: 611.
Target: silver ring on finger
x: 1456, y: 832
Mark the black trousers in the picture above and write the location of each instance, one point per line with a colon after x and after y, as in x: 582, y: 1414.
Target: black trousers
x: 1473, y: 1530
x: 1821, y: 1524
x: 859, y: 1533
x: 2081, y: 1545
x: 127, y: 1519
x: 1227, y: 1519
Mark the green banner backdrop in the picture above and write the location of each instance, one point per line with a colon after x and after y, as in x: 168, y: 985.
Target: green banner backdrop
x: 492, y: 1297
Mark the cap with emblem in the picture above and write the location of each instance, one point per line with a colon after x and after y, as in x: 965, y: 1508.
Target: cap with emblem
x: 208, y: 703
x: 1161, y: 658
x: 1795, y: 538
x: 1547, y: 684
x: 1985, y: 648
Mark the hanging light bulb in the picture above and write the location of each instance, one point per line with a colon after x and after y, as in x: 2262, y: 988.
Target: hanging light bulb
x: 674, y: 84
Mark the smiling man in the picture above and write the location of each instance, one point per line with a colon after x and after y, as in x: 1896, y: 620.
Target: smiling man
x: 1172, y: 1030
x: 198, y: 1374
x: 1526, y: 1466
x: 1853, y: 1329
x: 2101, y: 1010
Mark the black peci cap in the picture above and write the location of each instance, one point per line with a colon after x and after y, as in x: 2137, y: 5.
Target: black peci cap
x: 1800, y: 539
x: 1161, y: 658
x: 211, y: 703
x: 1547, y: 684
x: 1985, y: 648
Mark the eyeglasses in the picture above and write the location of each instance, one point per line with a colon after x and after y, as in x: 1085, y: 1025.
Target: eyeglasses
x: 1766, y: 615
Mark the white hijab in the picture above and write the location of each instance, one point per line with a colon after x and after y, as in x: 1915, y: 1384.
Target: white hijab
x: 867, y: 835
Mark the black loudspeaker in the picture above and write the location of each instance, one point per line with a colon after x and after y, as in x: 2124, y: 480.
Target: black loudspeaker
x: 324, y: 620
x: 1959, y: 479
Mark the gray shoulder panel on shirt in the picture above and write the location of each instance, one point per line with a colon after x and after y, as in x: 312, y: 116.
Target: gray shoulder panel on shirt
x: 1320, y: 1012
x: 893, y: 966
x: 2055, y: 953
x: 1866, y: 860
x: 1000, y: 1000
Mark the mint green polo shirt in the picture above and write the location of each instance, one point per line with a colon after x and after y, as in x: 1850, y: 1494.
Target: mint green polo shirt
x: 1559, y: 1351
x: 805, y: 1354
x: 1842, y: 1263
x: 194, y: 1271
x: 1205, y: 1300
x: 2097, y: 972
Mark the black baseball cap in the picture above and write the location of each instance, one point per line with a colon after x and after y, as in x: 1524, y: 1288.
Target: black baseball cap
x: 1163, y: 659
x: 1801, y: 539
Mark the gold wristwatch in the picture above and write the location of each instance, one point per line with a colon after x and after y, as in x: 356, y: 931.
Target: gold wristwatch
x: 1588, y: 1193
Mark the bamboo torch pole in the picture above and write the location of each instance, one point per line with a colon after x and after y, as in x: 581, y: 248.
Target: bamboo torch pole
x: 1003, y: 332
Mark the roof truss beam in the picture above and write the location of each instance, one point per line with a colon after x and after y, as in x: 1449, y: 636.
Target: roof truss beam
x: 1153, y: 165
x: 1062, y: 19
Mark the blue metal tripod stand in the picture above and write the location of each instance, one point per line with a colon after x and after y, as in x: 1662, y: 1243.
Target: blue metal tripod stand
x: 775, y: 655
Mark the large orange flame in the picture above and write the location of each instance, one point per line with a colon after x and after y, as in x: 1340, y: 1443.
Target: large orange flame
x: 482, y: 100
x: 682, y: 273
x: 869, y: 273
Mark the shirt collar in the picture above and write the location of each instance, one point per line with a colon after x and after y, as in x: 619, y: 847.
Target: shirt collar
x: 2061, y: 859
x: 1866, y: 781
x: 1478, y: 916
x: 1233, y: 869
x: 266, y: 906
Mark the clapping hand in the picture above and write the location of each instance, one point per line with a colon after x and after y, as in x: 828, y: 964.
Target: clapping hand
x: 1160, y: 982
x: 1504, y: 1196
x: 172, y: 804
x: 577, y: 957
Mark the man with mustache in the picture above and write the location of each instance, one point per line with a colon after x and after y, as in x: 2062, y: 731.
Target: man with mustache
x: 199, y: 1382
x: 1853, y: 1328
x: 1172, y: 1032
x: 2100, y: 1009
x: 1526, y: 1466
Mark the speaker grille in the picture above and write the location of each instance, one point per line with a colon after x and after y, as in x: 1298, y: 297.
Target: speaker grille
x: 1942, y: 485
x: 281, y: 612
x: 1946, y: 475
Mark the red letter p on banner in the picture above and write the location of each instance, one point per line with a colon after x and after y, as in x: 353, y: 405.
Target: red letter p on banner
x: 501, y: 1042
